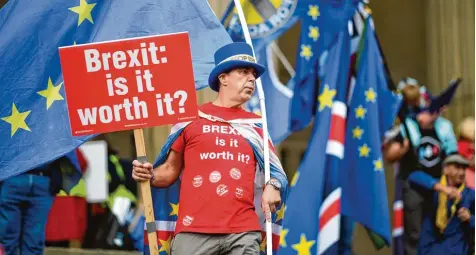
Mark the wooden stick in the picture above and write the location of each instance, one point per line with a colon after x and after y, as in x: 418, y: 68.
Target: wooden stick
x: 146, y: 195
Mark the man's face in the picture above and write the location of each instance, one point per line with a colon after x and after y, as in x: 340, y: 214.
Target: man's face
x: 426, y: 119
x: 455, y: 173
x: 239, y: 83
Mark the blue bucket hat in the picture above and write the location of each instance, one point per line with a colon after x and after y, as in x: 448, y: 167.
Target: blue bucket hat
x: 231, y: 56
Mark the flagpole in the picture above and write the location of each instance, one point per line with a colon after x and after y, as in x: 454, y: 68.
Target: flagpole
x: 282, y: 58
x: 244, y: 25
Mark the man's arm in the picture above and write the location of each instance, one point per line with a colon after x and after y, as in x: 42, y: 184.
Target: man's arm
x: 163, y: 175
x: 427, y: 181
x: 395, y: 145
x: 393, y: 151
x: 166, y: 174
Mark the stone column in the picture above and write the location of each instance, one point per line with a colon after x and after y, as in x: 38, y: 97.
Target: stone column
x: 450, y: 52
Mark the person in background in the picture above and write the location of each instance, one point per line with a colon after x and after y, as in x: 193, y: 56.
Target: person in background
x: 414, y: 95
x: 431, y: 138
x: 466, y: 147
x: 106, y: 227
x: 448, y: 225
x: 67, y: 219
x: 25, y: 201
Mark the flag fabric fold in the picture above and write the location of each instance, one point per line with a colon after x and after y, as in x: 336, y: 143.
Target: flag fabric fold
x: 321, y: 21
x: 312, y: 224
x: 372, y: 111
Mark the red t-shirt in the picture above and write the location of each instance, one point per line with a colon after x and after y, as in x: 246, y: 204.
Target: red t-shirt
x: 217, y: 189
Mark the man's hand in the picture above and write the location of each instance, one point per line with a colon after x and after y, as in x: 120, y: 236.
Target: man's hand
x: 270, y: 199
x: 141, y: 172
x: 452, y: 193
x: 464, y: 214
x: 396, y: 150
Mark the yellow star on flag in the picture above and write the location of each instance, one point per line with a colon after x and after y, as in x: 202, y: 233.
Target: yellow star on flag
x: 304, y: 246
x: 357, y: 132
x: 313, y: 33
x: 370, y: 95
x: 175, y: 208
x: 17, y: 120
x: 282, y: 237
x: 280, y: 213
x: 84, y: 11
x: 360, y: 112
x: 306, y: 51
x: 364, y: 151
x: 314, y: 11
x: 326, y: 97
x: 165, y: 245
x: 378, y: 165
x: 51, y: 93
x: 295, y: 179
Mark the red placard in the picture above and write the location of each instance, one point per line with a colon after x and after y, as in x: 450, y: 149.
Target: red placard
x: 129, y: 84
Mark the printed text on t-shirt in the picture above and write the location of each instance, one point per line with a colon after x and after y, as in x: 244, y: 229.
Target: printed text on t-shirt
x: 221, y: 142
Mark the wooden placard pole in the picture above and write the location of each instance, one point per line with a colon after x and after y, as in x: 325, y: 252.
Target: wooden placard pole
x: 146, y: 195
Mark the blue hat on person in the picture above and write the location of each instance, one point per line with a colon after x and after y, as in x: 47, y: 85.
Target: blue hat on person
x: 231, y: 56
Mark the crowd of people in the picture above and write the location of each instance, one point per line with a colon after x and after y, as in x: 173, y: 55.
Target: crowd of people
x: 436, y: 171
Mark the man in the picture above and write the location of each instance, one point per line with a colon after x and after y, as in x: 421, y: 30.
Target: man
x: 449, y: 226
x: 25, y: 201
x: 220, y: 154
x: 432, y: 139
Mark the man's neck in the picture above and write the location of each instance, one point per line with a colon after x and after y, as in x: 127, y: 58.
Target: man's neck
x: 220, y: 101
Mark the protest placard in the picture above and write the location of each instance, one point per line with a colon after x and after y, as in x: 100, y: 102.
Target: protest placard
x: 129, y: 84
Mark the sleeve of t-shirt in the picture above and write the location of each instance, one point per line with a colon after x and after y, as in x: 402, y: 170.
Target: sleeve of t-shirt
x: 423, y: 179
x: 179, y: 144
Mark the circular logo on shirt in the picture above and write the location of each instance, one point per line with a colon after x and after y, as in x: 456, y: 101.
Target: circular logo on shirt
x: 197, y: 181
x: 239, y: 192
x: 215, y: 177
x: 235, y: 173
x: 429, y: 151
x: 222, y: 190
x: 264, y: 17
x: 187, y: 220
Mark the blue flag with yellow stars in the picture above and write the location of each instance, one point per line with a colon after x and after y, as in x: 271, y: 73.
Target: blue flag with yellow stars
x: 321, y: 22
x: 312, y: 221
x: 34, y: 126
x: 372, y: 111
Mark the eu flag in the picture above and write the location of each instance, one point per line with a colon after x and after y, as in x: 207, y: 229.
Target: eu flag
x: 321, y: 22
x: 372, y: 111
x: 312, y: 221
x: 34, y: 126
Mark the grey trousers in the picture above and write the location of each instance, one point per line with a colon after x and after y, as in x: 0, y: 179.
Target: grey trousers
x: 413, y: 210
x: 247, y: 243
